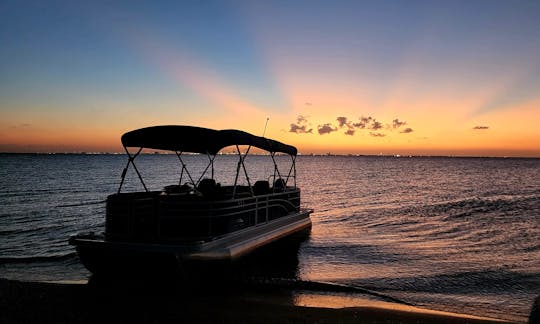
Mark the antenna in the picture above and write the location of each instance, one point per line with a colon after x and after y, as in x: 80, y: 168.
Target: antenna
x: 266, y: 124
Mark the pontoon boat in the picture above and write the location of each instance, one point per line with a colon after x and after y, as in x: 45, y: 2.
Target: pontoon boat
x: 196, y: 219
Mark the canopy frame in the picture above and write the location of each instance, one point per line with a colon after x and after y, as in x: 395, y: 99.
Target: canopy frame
x: 209, y: 143
x: 199, y: 140
x: 131, y: 160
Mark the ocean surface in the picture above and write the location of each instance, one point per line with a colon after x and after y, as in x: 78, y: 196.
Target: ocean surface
x: 454, y: 234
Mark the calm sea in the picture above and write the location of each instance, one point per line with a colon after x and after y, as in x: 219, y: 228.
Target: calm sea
x: 456, y: 234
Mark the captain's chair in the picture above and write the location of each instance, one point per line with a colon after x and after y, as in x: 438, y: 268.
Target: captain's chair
x: 279, y: 185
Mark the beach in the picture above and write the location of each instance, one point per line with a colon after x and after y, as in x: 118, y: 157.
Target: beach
x: 41, y: 302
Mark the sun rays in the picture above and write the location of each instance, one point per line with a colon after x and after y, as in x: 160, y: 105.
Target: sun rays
x: 460, y: 80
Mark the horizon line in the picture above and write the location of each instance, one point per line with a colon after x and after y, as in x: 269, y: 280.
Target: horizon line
x: 329, y: 154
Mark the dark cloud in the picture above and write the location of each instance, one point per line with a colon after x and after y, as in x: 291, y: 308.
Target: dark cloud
x: 301, y: 126
x: 342, y: 121
x: 364, y: 122
x: 480, y: 127
x: 326, y: 129
x: 375, y: 125
x: 300, y: 129
x: 396, y: 123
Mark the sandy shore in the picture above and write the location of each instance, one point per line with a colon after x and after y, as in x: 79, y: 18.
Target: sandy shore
x: 31, y: 302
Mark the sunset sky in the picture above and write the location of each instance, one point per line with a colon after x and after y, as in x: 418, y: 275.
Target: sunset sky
x: 359, y: 77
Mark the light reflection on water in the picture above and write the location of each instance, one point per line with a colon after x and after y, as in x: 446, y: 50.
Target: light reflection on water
x: 420, y: 226
x: 429, y: 230
x: 342, y: 301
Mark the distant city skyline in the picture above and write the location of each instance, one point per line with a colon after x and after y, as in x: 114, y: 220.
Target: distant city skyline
x: 343, y: 77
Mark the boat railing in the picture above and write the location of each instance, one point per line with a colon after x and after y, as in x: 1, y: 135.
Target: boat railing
x: 201, y: 220
x: 160, y: 216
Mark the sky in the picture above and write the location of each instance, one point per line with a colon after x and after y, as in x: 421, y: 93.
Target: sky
x: 342, y: 77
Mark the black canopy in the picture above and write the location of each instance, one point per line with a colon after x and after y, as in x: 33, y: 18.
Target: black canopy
x: 198, y: 139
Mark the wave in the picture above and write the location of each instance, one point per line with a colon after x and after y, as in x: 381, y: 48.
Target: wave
x: 38, y: 259
x: 489, y: 281
x: 311, y: 285
x: 33, y: 227
x: 38, y: 192
x: 357, y: 253
x: 464, y: 208
x: 83, y: 204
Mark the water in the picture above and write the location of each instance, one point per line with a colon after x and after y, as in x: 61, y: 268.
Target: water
x: 454, y: 234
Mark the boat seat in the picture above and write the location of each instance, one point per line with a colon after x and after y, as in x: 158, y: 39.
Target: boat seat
x: 261, y: 187
x: 208, y: 188
x: 279, y: 185
x: 177, y: 189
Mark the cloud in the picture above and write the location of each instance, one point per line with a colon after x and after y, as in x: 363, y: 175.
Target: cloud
x: 301, y: 119
x: 326, y: 129
x: 301, y: 126
x: 22, y: 125
x: 300, y: 129
x: 364, y: 121
x: 396, y: 123
x: 375, y: 125
x: 342, y: 121
x: 350, y: 127
x: 480, y: 127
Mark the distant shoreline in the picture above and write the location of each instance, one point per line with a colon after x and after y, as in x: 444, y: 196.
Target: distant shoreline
x: 300, y: 155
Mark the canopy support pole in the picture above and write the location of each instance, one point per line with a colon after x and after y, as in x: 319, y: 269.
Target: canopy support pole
x: 241, y: 159
x: 294, y: 161
x: 276, y: 169
x: 293, y: 167
x: 207, y: 167
x: 211, y: 161
x: 237, y: 172
x: 183, y: 168
x: 131, y: 160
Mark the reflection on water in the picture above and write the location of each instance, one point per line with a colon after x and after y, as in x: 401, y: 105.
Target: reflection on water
x: 454, y: 234
x: 342, y: 301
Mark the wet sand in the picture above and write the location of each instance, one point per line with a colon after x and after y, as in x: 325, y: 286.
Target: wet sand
x: 33, y: 302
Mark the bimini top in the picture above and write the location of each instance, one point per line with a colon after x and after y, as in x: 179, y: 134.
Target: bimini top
x: 198, y: 140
